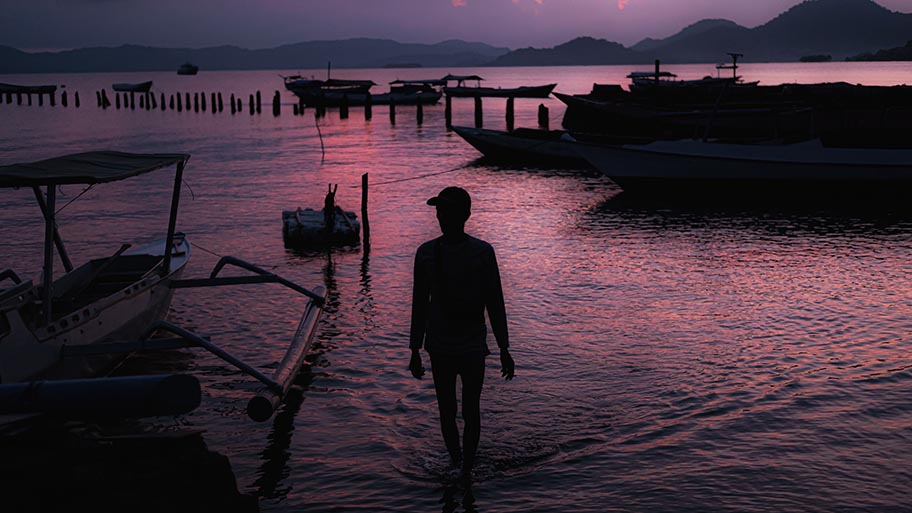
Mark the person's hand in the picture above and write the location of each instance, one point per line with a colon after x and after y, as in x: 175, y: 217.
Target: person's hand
x: 507, y: 367
x: 415, y: 365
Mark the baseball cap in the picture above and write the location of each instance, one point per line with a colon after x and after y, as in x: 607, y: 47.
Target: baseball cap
x: 452, y: 197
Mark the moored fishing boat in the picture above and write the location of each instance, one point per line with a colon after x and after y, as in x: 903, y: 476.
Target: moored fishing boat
x: 461, y: 90
x: 75, y: 327
x: 141, y: 87
x: 807, y: 170
x: 21, y: 89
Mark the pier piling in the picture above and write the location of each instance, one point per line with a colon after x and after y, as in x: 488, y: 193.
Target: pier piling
x: 252, y: 105
x: 258, y: 103
x: 187, y: 100
x: 171, y: 102
x: 76, y: 99
x: 240, y: 104
x: 479, y: 113
x: 276, y: 103
x: 163, y: 101
x: 294, y: 109
x: 213, y: 103
x: 117, y: 101
x: 221, y: 105
x: 368, y: 106
x: 96, y: 92
x: 53, y: 99
x: 448, y: 112
x: 40, y: 100
x: 364, y: 221
x: 543, y: 118
x: 180, y: 103
x: 196, y: 102
x: 343, y: 107
x: 233, y: 105
x: 18, y: 98
x: 142, y: 102
x: 63, y: 99
x: 132, y: 99
x: 419, y: 114
x: 105, y: 103
x: 203, y: 101
x: 510, y: 112
x: 392, y: 111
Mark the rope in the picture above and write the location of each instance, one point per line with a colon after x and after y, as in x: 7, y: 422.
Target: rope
x: 213, y: 253
x: 74, y: 199
x: 419, y: 177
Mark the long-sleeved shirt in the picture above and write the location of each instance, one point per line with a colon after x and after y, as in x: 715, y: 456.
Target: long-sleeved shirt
x: 455, y: 282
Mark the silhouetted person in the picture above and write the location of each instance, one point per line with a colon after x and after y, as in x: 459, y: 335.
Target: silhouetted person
x: 456, y: 280
x: 329, y: 209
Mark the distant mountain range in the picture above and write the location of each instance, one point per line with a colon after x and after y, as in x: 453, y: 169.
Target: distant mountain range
x: 840, y: 28
x: 349, y: 53
x: 903, y: 53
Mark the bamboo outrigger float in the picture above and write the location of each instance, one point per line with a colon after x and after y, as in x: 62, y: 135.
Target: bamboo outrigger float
x: 59, y: 337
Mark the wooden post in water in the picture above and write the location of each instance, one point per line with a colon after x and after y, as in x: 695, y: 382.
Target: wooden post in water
x: 203, y: 102
x: 510, y: 111
x: 76, y: 99
x: 213, y: 103
x: 543, y: 118
x: 252, y: 105
x: 171, y: 101
x: 163, y: 101
x: 51, y: 96
x: 258, y: 109
x: 294, y: 109
x: 117, y: 101
x: 180, y: 103
x: 63, y: 99
x: 240, y: 104
x: 233, y: 105
x: 448, y: 112
x: 187, y: 100
x: 220, y: 103
x: 343, y: 107
x: 104, y: 99
x: 392, y: 111
x: 97, y: 94
x: 276, y: 103
x: 8, y: 96
x: 365, y: 223
x: 153, y: 100
x: 40, y: 100
x: 18, y: 98
x: 196, y: 102
x: 368, y: 106
x: 132, y: 99
x: 479, y: 114
x: 419, y: 113
x: 142, y: 102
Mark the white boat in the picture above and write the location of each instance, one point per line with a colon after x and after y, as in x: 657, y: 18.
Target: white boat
x: 59, y: 337
x: 808, y: 170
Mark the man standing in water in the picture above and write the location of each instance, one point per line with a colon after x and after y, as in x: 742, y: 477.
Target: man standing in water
x: 456, y: 280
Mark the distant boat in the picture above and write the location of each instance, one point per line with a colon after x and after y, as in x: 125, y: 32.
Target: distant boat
x: 460, y: 90
x: 187, y: 69
x: 19, y: 89
x: 142, y: 87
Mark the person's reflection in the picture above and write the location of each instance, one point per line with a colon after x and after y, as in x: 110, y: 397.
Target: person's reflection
x: 451, y: 496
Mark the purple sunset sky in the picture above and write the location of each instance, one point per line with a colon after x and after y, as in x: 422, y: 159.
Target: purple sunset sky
x: 61, y: 24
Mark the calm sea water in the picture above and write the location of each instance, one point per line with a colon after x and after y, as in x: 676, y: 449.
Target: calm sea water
x: 669, y: 358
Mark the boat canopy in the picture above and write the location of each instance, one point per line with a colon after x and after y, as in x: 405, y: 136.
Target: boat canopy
x: 86, y: 168
x: 651, y: 74
x: 433, y: 82
x: 461, y: 78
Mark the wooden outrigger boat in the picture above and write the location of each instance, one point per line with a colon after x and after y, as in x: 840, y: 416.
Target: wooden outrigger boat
x: 21, y: 89
x: 142, y: 87
x: 58, y: 338
x: 461, y: 90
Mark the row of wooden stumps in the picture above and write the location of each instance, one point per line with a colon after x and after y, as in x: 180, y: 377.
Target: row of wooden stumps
x: 27, y: 98
x: 180, y: 101
x: 183, y: 101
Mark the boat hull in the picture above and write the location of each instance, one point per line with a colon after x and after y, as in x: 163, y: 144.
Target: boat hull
x: 801, y: 172
x: 543, y: 149
x: 142, y: 87
x: 360, y: 99
x: 126, y: 314
x: 493, y: 92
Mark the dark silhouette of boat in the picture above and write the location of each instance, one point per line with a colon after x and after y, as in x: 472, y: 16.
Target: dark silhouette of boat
x: 460, y: 90
x: 20, y: 89
x: 142, y: 87
x: 187, y: 69
x: 336, y: 92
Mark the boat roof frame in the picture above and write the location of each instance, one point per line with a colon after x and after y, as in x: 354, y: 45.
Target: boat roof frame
x: 88, y: 168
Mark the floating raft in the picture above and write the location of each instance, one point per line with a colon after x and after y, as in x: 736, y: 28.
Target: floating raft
x: 306, y: 227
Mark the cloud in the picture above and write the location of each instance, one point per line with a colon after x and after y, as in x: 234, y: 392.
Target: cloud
x: 621, y: 4
x: 459, y: 3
